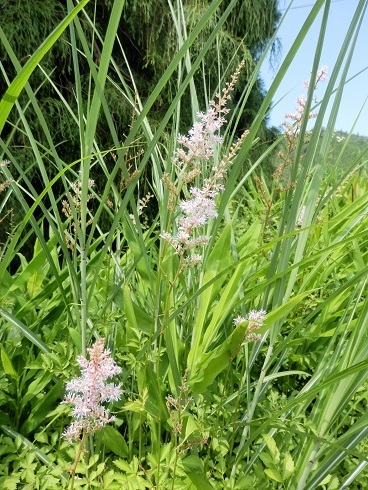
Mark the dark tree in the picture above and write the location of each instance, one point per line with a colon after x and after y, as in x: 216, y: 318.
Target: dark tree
x: 149, y: 37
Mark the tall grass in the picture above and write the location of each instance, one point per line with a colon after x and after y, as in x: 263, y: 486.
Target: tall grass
x: 203, y: 405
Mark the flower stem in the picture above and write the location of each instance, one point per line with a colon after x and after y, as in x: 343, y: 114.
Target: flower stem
x: 76, y: 460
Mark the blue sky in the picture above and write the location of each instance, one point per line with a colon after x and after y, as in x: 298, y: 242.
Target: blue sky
x: 355, y: 92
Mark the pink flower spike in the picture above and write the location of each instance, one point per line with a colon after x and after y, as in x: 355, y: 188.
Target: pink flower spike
x: 88, y: 392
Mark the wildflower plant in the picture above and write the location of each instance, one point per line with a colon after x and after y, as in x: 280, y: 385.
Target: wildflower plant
x: 72, y: 209
x: 306, y: 375
x: 90, y: 391
x: 198, y: 149
x: 197, y: 155
x: 292, y: 125
x: 255, y: 320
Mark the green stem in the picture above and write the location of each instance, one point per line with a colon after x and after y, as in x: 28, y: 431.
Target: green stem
x: 253, y: 405
x: 243, y: 381
x: 83, y: 267
x: 76, y: 460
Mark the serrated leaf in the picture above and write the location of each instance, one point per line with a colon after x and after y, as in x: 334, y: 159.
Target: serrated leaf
x: 244, y: 482
x: 92, y: 460
x: 11, y: 483
x: 122, y: 465
x: 287, y: 466
x: 139, y: 404
x: 134, y: 406
x: 335, y: 484
x: 192, y: 463
x: 273, y: 474
x: 41, y: 437
x: 325, y: 480
x: 267, y: 460
x: 271, y: 445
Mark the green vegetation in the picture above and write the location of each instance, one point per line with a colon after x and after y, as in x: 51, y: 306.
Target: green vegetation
x: 149, y: 34
x: 347, y: 151
x: 234, y: 306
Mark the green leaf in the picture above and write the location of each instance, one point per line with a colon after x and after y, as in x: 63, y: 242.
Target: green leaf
x: 31, y: 268
x: 131, y: 323
x: 267, y: 460
x: 76, y: 338
x: 271, y: 445
x: 24, y: 330
x: 218, y: 260
x: 137, y: 247
x: 114, y: 441
x: 11, y: 483
x: 43, y: 408
x: 115, y: 292
x: 191, y: 426
x: 123, y: 465
x: 245, y: 482
x: 199, y: 481
x: 213, y: 363
x: 8, y: 365
x: 334, y: 484
x: 21, y: 440
x: 36, y: 386
x: 273, y: 474
x: 192, y: 464
x: 34, y: 285
x: 19, y: 82
x: 282, y: 311
x: 5, y: 419
x: 326, y: 480
x: 134, y: 406
x: 287, y: 466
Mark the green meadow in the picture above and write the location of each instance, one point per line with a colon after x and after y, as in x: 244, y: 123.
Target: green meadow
x: 183, y: 302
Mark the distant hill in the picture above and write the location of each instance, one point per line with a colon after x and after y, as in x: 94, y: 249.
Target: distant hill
x: 346, y: 152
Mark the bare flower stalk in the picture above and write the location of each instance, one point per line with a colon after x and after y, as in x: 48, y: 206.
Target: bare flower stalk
x: 4, y: 184
x: 292, y: 125
x: 76, y: 200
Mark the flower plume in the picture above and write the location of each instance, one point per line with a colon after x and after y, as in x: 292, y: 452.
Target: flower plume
x: 198, y: 146
x: 255, y: 320
x: 90, y: 391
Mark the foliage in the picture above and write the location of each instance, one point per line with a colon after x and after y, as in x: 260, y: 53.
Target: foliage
x: 149, y: 35
x: 207, y: 402
x: 347, y: 152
